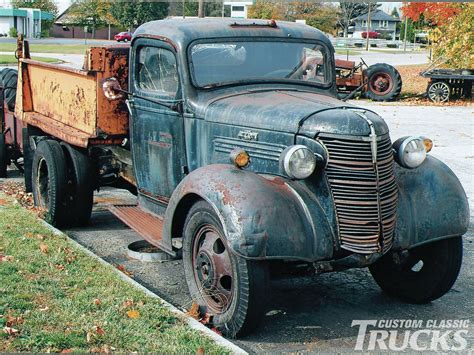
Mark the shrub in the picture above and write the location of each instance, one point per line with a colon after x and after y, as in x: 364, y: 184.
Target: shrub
x: 13, y: 32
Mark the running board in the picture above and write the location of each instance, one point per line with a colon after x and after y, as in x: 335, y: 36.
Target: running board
x: 148, y: 225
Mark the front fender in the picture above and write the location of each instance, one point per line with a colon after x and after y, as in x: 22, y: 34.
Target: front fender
x: 263, y: 218
x: 432, y: 204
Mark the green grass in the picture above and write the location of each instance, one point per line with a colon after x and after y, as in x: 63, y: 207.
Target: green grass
x: 344, y: 51
x: 62, y: 299
x: 48, y: 48
x: 10, y: 59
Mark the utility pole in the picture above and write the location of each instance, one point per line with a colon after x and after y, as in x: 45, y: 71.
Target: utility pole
x: 184, y: 6
x: 405, y: 38
x: 201, y: 8
x: 368, y: 28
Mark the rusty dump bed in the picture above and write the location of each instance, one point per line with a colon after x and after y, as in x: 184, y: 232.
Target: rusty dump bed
x: 68, y: 103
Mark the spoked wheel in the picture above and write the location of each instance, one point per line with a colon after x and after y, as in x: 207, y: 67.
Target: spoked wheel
x: 213, y: 268
x: 230, y: 288
x: 425, y: 274
x: 384, y: 82
x: 439, y: 91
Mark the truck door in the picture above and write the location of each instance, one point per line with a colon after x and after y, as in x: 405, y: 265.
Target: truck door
x: 157, y: 133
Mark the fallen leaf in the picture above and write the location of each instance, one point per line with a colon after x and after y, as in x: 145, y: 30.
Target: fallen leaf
x: 89, y: 336
x: 134, y: 314
x: 99, y: 331
x: 193, y: 311
x: 125, y: 271
x: 4, y: 258
x: 43, y: 308
x: 200, y: 351
x: 10, y: 331
x: 44, y: 248
x: 206, y: 319
x: 11, y: 321
x: 3, y: 202
x: 66, y: 351
x: 59, y: 267
x: 127, y: 304
x: 97, y: 302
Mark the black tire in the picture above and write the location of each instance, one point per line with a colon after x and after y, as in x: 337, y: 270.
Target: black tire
x: 49, y: 181
x: 441, y: 262
x: 3, y: 157
x: 246, y: 288
x: 27, y: 161
x: 9, y: 79
x: 384, y: 82
x: 80, y: 192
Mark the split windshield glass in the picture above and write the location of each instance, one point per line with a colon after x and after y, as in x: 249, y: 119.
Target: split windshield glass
x: 216, y: 64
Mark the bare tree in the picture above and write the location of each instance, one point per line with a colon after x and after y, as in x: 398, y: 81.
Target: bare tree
x: 350, y: 10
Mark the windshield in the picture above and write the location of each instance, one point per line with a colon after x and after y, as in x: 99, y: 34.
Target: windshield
x: 224, y: 63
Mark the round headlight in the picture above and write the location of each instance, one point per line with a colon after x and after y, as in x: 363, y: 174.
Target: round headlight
x: 410, y: 152
x: 298, y: 162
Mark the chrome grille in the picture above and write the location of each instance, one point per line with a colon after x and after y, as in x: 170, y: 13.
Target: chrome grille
x: 365, y: 206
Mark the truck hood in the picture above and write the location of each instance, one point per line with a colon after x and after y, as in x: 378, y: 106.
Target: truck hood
x: 286, y: 110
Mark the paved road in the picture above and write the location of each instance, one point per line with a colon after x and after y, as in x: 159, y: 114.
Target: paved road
x: 315, y: 314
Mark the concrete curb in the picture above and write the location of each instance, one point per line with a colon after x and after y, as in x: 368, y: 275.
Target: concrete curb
x: 191, y: 322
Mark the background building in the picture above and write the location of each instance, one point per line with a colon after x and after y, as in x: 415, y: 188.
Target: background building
x: 238, y: 9
x: 380, y: 22
x: 26, y: 21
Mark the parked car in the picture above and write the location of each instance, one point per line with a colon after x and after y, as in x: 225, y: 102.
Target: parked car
x: 372, y: 34
x: 123, y: 37
x: 243, y: 160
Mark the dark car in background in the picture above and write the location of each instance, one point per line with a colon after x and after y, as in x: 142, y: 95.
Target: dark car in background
x: 123, y: 37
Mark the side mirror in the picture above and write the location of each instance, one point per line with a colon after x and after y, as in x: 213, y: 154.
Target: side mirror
x: 112, y: 90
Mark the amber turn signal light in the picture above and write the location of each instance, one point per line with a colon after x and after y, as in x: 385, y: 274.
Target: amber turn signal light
x: 428, y: 143
x: 239, y: 158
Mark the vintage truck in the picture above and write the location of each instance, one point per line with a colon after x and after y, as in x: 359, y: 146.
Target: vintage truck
x: 231, y: 136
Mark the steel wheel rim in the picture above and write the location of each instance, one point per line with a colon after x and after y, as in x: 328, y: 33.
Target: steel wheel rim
x: 213, y: 269
x: 381, y: 83
x: 439, y: 92
x: 42, y: 183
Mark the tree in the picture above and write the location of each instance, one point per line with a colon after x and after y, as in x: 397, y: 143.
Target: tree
x: 454, y: 40
x: 410, y: 31
x: 350, y: 10
x: 395, y: 13
x: 435, y: 13
x: 133, y: 14
x: 321, y: 16
x: 43, y: 5
x: 91, y: 13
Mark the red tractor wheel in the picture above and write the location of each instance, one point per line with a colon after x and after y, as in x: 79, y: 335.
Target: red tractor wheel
x: 384, y: 82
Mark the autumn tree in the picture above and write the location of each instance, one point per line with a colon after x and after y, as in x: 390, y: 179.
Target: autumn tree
x: 128, y: 14
x: 454, y: 38
x: 318, y: 15
x: 434, y: 13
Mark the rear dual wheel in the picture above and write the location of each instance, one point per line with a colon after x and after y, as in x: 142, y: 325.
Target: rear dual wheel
x: 61, y: 184
x: 4, y: 161
x: 229, y: 288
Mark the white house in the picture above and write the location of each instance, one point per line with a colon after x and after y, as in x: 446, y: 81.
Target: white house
x: 26, y: 21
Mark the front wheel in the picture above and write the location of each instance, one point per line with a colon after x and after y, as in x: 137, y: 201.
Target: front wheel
x: 425, y: 274
x: 230, y: 288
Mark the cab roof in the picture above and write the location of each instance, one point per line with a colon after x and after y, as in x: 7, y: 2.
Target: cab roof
x: 181, y: 32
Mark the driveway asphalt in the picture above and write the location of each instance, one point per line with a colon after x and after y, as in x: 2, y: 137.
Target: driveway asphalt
x: 315, y: 314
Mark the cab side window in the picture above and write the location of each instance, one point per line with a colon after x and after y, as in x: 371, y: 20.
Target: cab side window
x: 157, y: 72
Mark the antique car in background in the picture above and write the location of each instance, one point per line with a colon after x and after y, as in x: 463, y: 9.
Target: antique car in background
x: 231, y: 135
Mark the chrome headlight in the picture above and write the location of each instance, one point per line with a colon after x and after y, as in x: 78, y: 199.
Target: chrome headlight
x: 297, y: 162
x: 410, y: 152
